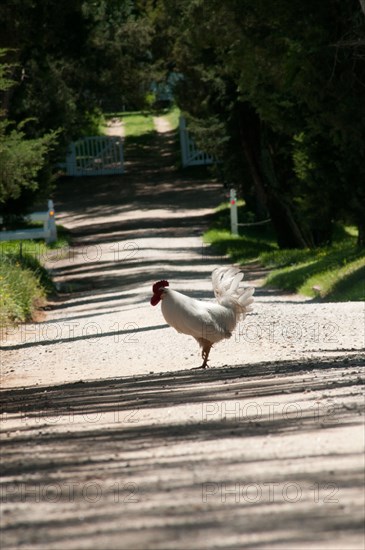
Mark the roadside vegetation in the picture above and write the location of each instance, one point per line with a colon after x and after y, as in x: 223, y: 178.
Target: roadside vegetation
x: 24, y: 281
x: 334, y: 272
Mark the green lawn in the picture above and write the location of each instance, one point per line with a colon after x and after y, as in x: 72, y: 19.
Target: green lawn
x: 137, y: 124
x: 140, y: 123
x: 335, y: 273
x: 248, y: 245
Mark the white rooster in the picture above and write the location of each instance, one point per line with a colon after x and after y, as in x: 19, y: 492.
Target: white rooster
x: 207, y: 322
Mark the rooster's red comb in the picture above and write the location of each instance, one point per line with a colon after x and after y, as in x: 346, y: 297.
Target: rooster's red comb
x: 158, y: 285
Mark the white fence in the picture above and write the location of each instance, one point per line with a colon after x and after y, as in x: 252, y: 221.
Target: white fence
x: 103, y: 155
x: 48, y: 232
x: 234, y: 217
x: 190, y: 154
x: 95, y: 156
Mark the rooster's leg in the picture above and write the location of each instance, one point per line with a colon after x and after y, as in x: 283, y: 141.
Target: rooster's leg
x: 205, y: 354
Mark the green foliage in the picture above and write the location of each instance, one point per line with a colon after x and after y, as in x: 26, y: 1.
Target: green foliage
x: 63, y: 64
x: 275, y: 94
x: 75, y: 57
x: 5, y: 69
x: 20, y: 287
x: 21, y: 160
x: 278, y: 95
x: 20, y: 290
x: 251, y: 242
x: 331, y: 273
x: 94, y: 124
x: 24, y: 282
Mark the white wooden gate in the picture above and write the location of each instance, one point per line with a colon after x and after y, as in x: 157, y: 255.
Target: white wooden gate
x: 95, y: 156
x: 190, y: 154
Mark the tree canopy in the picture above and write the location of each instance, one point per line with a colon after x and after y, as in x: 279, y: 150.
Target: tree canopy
x: 277, y: 92
x: 66, y: 62
x: 274, y: 90
x: 21, y: 159
x: 74, y: 57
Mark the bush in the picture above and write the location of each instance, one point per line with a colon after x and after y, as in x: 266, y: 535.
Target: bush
x: 24, y: 285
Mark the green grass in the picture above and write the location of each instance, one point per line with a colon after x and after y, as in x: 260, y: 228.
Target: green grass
x: 172, y: 116
x: 140, y: 123
x: 350, y: 284
x: 137, y: 124
x: 24, y: 282
x: 140, y: 133
x: 248, y: 245
x: 332, y: 273
x: 335, y: 273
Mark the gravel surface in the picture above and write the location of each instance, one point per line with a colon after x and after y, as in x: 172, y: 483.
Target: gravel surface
x: 110, y: 440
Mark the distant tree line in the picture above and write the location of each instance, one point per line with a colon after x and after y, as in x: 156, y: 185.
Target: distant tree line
x: 275, y: 90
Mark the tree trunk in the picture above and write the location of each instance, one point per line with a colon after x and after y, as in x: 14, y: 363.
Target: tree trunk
x: 287, y: 230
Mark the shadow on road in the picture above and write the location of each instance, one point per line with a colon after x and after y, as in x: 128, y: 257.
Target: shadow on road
x: 108, y: 432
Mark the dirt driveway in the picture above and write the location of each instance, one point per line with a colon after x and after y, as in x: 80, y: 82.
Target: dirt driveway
x: 111, y: 441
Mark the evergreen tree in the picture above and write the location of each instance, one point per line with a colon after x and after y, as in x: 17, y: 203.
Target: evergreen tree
x: 21, y: 159
x: 277, y: 90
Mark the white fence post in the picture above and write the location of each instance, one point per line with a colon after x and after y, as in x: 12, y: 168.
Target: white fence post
x: 51, y: 235
x: 233, y: 208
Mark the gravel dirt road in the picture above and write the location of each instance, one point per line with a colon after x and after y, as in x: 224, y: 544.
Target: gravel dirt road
x: 110, y: 440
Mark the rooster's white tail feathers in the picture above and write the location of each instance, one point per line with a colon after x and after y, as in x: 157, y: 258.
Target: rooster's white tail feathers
x: 227, y: 290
